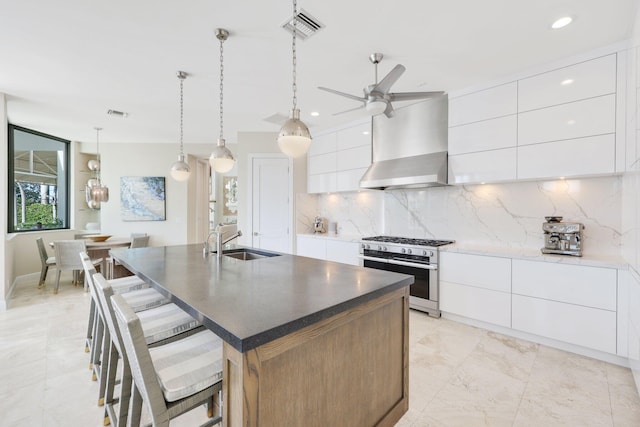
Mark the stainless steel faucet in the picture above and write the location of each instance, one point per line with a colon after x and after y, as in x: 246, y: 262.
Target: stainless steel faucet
x: 219, y: 241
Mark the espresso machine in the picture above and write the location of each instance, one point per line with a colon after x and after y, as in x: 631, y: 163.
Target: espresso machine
x: 564, y: 238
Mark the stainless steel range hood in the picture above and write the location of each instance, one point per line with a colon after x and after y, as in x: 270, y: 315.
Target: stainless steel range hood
x: 410, y: 149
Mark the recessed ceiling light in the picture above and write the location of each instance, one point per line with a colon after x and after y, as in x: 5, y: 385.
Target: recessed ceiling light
x: 562, y: 22
x: 315, y: 113
x: 566, y: 82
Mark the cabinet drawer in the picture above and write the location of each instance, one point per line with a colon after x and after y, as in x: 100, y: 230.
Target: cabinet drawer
x: 580, y: 81
x: 311, y: 247
x: 354, y: 158
x: 323, y: 144
x: 574, y: 284
x: 484, y: 166
x: 322, y: 163
x: 355, y: 136
x: 349, y: 180
x: 476, y: 303
x: 485, y: 104
x: 476, y: 270
x: 575, y: 157
x: 596, y: 116
x: 585, y: 326
x: 344, y: 252
x: 485, y: 135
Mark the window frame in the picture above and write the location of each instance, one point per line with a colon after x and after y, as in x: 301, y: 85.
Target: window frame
x: 11, y: 178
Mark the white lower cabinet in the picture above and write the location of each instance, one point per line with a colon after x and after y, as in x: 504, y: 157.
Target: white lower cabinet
x: 575, y: 324
x: 476, y: 286
x: 570, y: 303
x: 331, y: 249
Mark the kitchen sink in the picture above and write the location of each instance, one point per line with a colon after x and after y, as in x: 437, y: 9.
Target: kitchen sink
x: 248, y: 254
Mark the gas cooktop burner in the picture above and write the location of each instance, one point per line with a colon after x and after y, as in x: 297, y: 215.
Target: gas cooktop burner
x: 408, y: 241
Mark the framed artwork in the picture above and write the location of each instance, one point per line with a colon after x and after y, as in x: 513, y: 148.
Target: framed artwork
x: 142, y: 198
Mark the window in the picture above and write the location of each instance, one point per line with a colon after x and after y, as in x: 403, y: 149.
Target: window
x: 38, y: 181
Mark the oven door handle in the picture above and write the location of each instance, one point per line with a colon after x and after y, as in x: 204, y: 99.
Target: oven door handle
x: 414, y: 265
x: 372, y: 258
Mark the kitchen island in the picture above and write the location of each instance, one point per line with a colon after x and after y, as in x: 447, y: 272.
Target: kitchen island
x: 306, y: 342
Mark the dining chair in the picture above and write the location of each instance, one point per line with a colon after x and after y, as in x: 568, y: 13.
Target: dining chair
x: 173, y: 378
x: 67, y: 259
x: 46, y: 261
x: 138, y: 240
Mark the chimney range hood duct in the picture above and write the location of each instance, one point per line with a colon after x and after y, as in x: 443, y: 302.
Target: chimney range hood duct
x: 410, y: 149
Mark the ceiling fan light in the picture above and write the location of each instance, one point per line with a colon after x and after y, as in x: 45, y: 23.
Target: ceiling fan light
x: 221, y: 159
x: 376, y: 107
x: 294, y: 137
x: 180, y: 170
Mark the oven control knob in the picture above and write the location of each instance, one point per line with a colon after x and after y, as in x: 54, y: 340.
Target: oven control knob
x: 404, y: 251
x: 379, y: 247
x: 384, y: 248
x: 425, y: 253
x: 408, y: 251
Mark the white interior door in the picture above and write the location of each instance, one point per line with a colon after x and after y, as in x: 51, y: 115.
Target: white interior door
x: 271, y: 203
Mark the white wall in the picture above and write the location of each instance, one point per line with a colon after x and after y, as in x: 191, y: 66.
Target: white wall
x: 150, y: 159
x: 6, y: 254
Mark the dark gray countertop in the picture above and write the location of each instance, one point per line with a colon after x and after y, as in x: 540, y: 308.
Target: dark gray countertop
x: 250, y: 303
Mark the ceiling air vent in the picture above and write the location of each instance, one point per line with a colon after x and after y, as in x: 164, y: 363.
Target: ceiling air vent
x: 117, y: 113
x: 306, y: 25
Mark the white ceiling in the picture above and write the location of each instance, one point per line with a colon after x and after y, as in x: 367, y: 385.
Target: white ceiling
x: 66, y: 62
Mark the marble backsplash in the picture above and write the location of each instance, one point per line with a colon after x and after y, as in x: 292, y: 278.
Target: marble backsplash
x: 502, y: 215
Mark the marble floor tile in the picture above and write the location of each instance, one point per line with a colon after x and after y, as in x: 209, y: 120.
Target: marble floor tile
x: 459, y: 376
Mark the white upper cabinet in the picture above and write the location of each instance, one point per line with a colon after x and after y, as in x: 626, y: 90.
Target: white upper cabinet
x: 482, y: 105
x: 483, y: 166
x: 485, y: 135
x: 580, y: 81
x: 593, y: 116
x: 337, y: 160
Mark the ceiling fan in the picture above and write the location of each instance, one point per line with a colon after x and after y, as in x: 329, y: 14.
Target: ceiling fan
x: 377, y: 99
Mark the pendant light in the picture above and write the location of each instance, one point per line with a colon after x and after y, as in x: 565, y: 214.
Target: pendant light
x: 294, y: 137
x: 221, y: 159
x: 180, y: 170
x: 95, y: 192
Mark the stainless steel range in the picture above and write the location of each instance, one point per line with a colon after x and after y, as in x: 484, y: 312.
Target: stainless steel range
x: 417, y: 257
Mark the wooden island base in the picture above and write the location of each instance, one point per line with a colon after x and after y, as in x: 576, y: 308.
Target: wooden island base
x: 347, y: 370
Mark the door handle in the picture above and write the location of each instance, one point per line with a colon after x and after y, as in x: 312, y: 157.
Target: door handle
x: 255, y: 233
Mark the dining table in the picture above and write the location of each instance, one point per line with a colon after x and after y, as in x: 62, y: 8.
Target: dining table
x: 101, y: 249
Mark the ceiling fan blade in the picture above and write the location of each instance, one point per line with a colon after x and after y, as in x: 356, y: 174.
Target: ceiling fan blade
x: 408, y: 96
x: 389, y: 112
x: 385, y: 84
x: 349, y: 110
x: 346, y: 95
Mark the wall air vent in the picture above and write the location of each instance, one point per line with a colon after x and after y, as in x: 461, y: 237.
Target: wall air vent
x: 306, y: 25
x: 117, y: 113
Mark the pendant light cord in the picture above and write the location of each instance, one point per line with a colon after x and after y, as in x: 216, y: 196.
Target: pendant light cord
x: 98, y: 152
x: 293, y: 49
x: 221, y: 86
x: 181, y: 77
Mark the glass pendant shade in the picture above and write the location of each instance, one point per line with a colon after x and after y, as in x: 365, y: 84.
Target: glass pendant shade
x: 221, y: 159
x: 294, y: 137
x: 93, y: 165
x: 180, y: 169
x: 100, y: 193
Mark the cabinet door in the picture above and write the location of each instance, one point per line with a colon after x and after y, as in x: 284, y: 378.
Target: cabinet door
x: 485, y: 135
x: 354, y: 158
x: 323, y: 144
x: 322, y: 163
x: 484, y: 166
x: 580, y: 81
x: 596, y: 116
x: 573, y: 284
x: 485, y: 104
x: 476, y: 270
x: 585, y: 326
x: 311, y: 247
x: 575, y: 157
x: 321, y: 183
x: 343, y: 251
x: 349, y: 180
x: 355, y: 136
x: 476, y: 303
